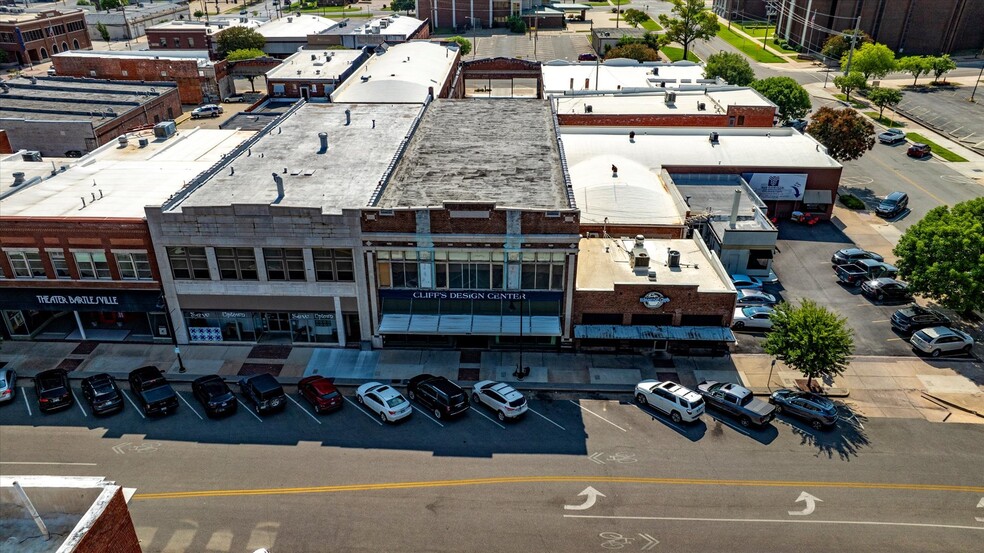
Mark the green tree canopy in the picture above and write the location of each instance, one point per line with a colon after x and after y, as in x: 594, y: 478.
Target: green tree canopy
x: 884, y: 97
x: 837, y: 45
x: 103, y: 31
x: 731, y: 67
x: 463, y: 43
x: 198, y: 14
x: 112, y: 4
x: 810, y: 339
x: 850, y: 82
x: 915, y: 66
x: 872, y: 60
x: 633, y: 51
x: 634, y: 17
x: 844, y: 133
x: 942, y: 65
x: 691, y: 21
x: 792, y: 99
x: 403, y: 6
x: 942, y: 256
x: 515, y: 24
x: 239, y: 38
x: 245, y: 54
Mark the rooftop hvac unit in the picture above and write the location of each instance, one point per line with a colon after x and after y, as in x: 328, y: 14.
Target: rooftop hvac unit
x: 673, y: 259
x: 143, y: 142
x: 713, y: 138
x: 31, y: 155
x: 701, y: 106
x: 670, y: 98
x: 165, y: 129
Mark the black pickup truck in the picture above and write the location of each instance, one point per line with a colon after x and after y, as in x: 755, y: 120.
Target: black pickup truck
x: 154, y: 394
x: 737, y: 401
x: 864, y: 270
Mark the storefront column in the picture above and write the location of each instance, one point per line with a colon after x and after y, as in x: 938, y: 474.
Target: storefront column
x: 339, y: 322
x: 261, y: 272
x: 377, y: 339
x: 569, y: 296
x: 78, y: 321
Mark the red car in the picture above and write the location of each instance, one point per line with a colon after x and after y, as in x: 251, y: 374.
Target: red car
x: 919, y: 150
x: 320, y: 393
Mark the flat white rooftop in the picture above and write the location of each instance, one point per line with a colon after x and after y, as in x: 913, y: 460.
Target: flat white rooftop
x: 603, y: 262
x: 560, y: 76
x: 295, y: 26
x: 314, y: 64
x: 130, y: 54
x: 124, y: 179
x: 715, y: 99
x: 215, y: 26
x: 396, y: 25
x: 404, y: 73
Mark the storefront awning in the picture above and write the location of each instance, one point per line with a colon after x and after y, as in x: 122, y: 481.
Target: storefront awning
x: 641, y: 332
x: 475, y: 325
x: 817, y: 197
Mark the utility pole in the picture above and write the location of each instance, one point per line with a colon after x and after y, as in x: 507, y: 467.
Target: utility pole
x: 854, y: 41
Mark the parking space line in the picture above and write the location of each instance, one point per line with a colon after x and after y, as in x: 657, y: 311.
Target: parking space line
x: 26, y: 403
x: 882, y: 321
x: 139, y: 410
x: 250, y: 411
x: 583, y: 408
x: 363, y: 411
x: 183, y: 400
x: 428, y: 416
x: 893, y: 340
x: 488, y: 417
x: 302, y: 409
x: 546, y: 419
x: 79, y: 403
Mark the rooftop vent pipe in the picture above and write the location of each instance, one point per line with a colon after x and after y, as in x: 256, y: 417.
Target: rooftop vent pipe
x: 348, y: 117
x: 324, y: 142
x: 734, y: 207
x: 18, y: 178
x: 280, y: 187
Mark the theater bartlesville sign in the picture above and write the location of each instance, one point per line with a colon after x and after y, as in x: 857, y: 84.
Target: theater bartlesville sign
x: 63, y: 299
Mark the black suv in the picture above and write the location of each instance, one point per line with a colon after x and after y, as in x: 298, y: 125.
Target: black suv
x: 214, y: 395
x: 443, y: 397
x: 155, y: 395
x: 264, y: 392
x: 912, y: 318
x: 851, y: 255
x: 102, y: 394
x: 893, y: 204
x: 53, y: 390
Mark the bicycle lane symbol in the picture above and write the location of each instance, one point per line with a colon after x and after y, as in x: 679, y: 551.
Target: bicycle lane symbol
x: 614, y: 540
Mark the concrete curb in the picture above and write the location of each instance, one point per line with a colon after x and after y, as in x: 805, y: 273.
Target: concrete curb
x: 952, y: 404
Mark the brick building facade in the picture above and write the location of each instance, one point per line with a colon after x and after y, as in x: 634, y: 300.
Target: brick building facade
x: 750, y: 116
x: 33, y: 37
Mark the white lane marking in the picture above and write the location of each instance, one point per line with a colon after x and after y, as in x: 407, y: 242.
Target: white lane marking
x: 139, y: 410
x: 428, y: 416
x: 488, y: 417
x: 46, y: 463
x: 26, y: 403
x: 363, y: 411
x: 302, y: 409
x: 183, y: 400
x: 79, y: 403
x: 784, y: 521
x: 597, y: 415
x: 255, y: 416
x: 546, y: 419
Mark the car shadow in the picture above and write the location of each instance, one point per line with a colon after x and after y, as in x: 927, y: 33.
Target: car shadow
x: 898, y: 217
x: 764, y: 435
x: 693, y: 431
x: 843, y: 441
x: 823, y: 231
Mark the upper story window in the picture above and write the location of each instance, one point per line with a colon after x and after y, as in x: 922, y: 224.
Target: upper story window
x: 398, y: 269
x: 543, y: 271
x: 133, y: 265
x: 333, y: 264
x: 26, y: 264
x: 236, y: 263
x: 284, y: 263
x: 59, y: 264
x: 469, y: 270
x: 93, y: 265
x: 188, y: 263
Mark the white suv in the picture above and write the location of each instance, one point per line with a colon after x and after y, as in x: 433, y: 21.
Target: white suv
x: 208, y: 110
x: 940, y: 339
x: 680, y: 403
x: 502, y: 398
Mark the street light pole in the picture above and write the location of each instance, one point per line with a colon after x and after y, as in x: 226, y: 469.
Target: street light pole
x: 977, y: 82
x: 181, y: 367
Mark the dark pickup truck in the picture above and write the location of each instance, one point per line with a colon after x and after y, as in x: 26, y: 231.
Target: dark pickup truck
x: 154, y: 394
x: 864, y: 270
x: 738, y: 401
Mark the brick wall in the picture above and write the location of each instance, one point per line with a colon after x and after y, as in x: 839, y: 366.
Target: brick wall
x: 164, y: 107
x: 183, y: 72
x: 179, y: 40
x: 754, y: 116
x: 649, y: 231
x: 684, y: 300
x: 112, y: 531
x: 5, y: 147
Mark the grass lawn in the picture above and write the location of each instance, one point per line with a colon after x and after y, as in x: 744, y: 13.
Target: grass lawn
x: 749, y: 48
x: 884, y: 120
x: 651, y: 25
x: 330, y: 9
x: 855, y: 103
x: 676, y: 54
x: 937, y: 149
x: 755, y: 30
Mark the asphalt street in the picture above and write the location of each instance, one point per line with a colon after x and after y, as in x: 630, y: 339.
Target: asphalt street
x: 298, y: 482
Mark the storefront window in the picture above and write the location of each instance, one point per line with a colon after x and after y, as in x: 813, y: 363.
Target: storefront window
x: 253, y: 326
x: 398, y: 269
x: 133, y: 265
x: 284, y: 263
x: 333, y: 264
x: 188, y: 263
x: 16, y: 324
x: 469, y: 270
x: 313, y: 327
x: 92, y: 265
x: 543, y: 271
x: 236, y: 263
x: 59, y: 264
x: 26, y: 264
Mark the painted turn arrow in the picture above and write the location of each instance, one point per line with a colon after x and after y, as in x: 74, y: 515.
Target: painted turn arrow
x: 593, y: 496
x: 811, y: 504
x: 980, y: 505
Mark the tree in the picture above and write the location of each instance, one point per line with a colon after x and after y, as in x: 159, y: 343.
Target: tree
x: 837, y: 45
x: 792, y: 99
x: 844, y: 133
x: 850, y: 82
x: 811, y: 339
x: 112, y: 4
x: 198, y: 14
x: 633, y: 51
x: 463, y: 44
x: 103, y: 31
x: 941, y: 65
x: 247, y: 54
x: 731, y: 67
x: 403, y: 6
x: 872, y: 60
x: 239, y: 38
x: 515, y: 24
x: 692, y: 22
x: 883, y: 97
x: 942, y: 256
x: 634, y: 17
x: 915, y: 66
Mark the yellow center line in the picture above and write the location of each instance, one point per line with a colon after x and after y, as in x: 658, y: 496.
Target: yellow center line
x: 902, y: 176
x: 555, y: 479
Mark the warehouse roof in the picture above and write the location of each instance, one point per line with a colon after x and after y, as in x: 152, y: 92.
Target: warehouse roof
x: 315, y: 64
x: 402, y: 73
x: 73, y: 99
x: 560, y: 76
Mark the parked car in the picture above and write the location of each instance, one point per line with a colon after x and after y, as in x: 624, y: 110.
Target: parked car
x: 893, y: 204
x: 798, y: 124
x: 215, y: 395
x: 208, y: 110
x: 8, y: 387
x: 236, y: 99
x: 753, y: 317
x: 670, y: 398
x: 321, y: 393
x: 914, y: 317
x: 102, y: 394
x: 443, y: 397
x: 154, y: 394
x: 919, y: 150
x: 748, y: 297
x: 264, y: 393
x: 587, y: 57
x: 737, y: 401
x: 52, y: 389
x: 852, y: 255
x: 891, y: 136
x: 819, y: 411
x: 882, y: 289
x: 864, y: 270
x: 937, y: 340
x: 383, y: 400
x: 745, y: 281
x: 501, y: 398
